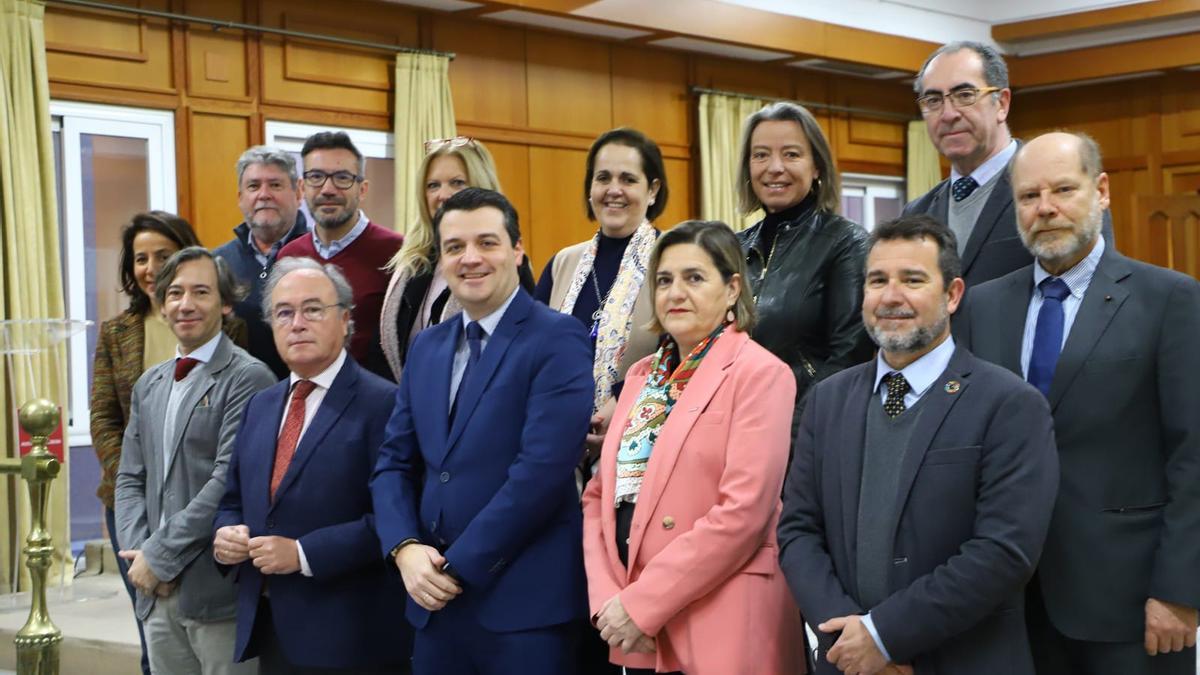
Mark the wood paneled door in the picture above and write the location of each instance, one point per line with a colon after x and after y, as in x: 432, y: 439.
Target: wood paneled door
x: 1169, y: 232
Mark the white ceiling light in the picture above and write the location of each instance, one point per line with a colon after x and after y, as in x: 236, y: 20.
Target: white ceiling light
x: 440, y: 5
x: 720, y: 49
x: 569, y: 25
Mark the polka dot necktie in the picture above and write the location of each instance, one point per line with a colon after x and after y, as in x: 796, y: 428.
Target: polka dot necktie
x: 897, y: 387
x: 963, y: 187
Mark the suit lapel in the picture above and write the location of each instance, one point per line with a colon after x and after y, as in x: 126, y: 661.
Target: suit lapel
x: 998, y: 208
x: 935, y: 405
x: 442, y: 365
x: 469, y: 392
x: 939, y: 205
x: 340, y: 395
x: 259, y: 455
x: 196, y: 392
x: 851, y: 453
x: 1104, y: 297
x: 695, y: 398
x: 1007, y: 333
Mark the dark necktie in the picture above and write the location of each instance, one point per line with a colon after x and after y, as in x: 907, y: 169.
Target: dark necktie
x: 184, y: 366
x: 474, y: 348
x: 963, y: 187
x: 1048, y: 334
x: 897, y: 387
x: 289, y: 438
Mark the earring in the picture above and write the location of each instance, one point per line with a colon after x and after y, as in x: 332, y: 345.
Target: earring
x: 730, y: 317
x: 651, y: 202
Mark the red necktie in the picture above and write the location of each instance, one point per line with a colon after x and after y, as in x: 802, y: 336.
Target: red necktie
x: 184, y: 366
x: 285, y: 448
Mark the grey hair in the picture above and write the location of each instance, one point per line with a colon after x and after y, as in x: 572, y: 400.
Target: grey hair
x: 270, y: 155
x: 284, y: 267
x: 227, y: 285
x: 995, y: 70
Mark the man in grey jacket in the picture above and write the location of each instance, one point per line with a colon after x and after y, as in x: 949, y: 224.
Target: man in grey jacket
x: 184, y: 416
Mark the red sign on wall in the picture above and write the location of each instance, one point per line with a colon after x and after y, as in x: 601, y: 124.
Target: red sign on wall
x: 54, y: 444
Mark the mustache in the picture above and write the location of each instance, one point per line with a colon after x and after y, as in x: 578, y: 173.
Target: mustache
x: 329, y: 200
x: 897, y: 313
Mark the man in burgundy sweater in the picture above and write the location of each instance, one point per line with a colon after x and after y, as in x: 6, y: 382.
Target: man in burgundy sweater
x: 333, y: 188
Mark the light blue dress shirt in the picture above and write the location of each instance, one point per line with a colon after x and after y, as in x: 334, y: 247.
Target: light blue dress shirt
x: 488, y: 324
x: 921, y: 375
x: 1077, y: 279
x: 338, y: 245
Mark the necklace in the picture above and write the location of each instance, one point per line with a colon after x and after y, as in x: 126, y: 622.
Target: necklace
x: 599, y: 304
x: 763, y: 274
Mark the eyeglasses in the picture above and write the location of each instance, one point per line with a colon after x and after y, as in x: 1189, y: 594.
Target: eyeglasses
x: 283, y: 315
x: 960, y: 98
x: 456, y: 142
x: 342, y: 180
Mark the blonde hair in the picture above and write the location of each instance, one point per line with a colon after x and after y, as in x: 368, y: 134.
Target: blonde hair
x: 827, y: 184
x: 420, y: 250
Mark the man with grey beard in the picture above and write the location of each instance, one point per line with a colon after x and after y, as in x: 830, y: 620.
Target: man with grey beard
x: 1111, y: 343
x: 922, y: 484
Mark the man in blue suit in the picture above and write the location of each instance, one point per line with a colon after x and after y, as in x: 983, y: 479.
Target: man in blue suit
x: 296, y: 520
x: 474, y: 491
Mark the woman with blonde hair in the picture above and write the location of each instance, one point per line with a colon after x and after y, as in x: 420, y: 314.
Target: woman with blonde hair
x: 417, y: 296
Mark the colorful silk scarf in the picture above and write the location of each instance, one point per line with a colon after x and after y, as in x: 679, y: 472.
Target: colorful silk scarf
x: 664, y: 385
x: 616, y: 316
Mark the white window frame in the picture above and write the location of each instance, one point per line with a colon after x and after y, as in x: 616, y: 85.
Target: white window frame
x: 157, y: 128
x: 290, y: 136
x: 870, y: 186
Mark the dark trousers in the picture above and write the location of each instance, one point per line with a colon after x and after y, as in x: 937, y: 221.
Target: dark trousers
x: 110, y: 523
x: 454, y: 643
x: 272, y: 660
x: 1057, y: 654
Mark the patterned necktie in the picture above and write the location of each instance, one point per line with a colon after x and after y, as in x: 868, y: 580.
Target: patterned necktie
x: 285, y: 447
x: 963, y: 187
x: 474, y: 349
x: 184, y: 366
x: 1048, y: 334
x: 897, y: 387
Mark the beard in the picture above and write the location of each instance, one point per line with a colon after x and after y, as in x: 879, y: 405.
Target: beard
x: 1067, y: 245
x: 913, y: 340
x: 332, y: 221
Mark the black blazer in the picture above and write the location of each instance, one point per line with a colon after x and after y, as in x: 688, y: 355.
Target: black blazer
x: 1127, y: 420
x: 977, y: 485
x: 994, y: 247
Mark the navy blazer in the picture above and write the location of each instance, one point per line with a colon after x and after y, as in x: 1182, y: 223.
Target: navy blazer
x: 495, y: 491
x: 344, y: 615
x: 977, y: 485
x: 1127, y: 420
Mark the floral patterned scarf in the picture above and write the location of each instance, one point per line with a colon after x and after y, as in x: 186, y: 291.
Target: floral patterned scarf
x: 664, y: 385
x: 616, y: 312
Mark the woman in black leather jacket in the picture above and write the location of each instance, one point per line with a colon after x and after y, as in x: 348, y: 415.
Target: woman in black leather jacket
x: 805, y: 262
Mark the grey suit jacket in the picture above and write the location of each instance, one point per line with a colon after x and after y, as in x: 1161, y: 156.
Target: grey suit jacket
x: 994, y: 247
x: 180, y: 550
x: 1126, y: 408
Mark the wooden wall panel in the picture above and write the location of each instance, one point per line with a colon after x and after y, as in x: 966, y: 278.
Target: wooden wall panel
x: 487, y: 77
x: 680, y: 206
x: 108, y: 50
x: 512, y: 167
x: 557, y: 218
x: 217, y: 141
x: 569, y: 84
x: 741, y: 77
x: 654, y: 100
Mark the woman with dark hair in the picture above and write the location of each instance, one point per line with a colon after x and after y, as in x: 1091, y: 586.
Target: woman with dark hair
x: 131, y: 342
x: 679, y: 523
x: 601, y: 281
x: 805, y: 262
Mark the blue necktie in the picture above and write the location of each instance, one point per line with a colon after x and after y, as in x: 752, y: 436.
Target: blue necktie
x: 474, y: 348
x: 963, y: 187
x: 1048, y: 335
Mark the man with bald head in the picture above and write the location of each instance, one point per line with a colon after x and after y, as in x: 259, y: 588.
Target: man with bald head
x: 1110, y: 342
x: 963, y: 95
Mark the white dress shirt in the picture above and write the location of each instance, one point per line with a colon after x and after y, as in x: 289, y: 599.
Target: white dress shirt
x: 461, y: 354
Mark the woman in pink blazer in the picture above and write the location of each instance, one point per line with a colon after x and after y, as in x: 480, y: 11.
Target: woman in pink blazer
x: 679, y: 530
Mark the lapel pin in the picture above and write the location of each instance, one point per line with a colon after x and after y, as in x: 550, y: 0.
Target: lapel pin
x: 952, y: 387
x: 1107, y: 298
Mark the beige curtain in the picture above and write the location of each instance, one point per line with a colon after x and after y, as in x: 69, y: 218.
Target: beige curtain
x: 30, y: 268
x: 721, y: 119
x: 924, y: 170
x: 424, y: 111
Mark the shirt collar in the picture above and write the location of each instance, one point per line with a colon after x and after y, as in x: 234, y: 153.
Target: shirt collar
x: 1079, y: 277
x: 325, y: 378
x: 988, y: 170
x: 337, y: 245
x: 204, y: 352
x: 922, y: 373
x: 489, y: 322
